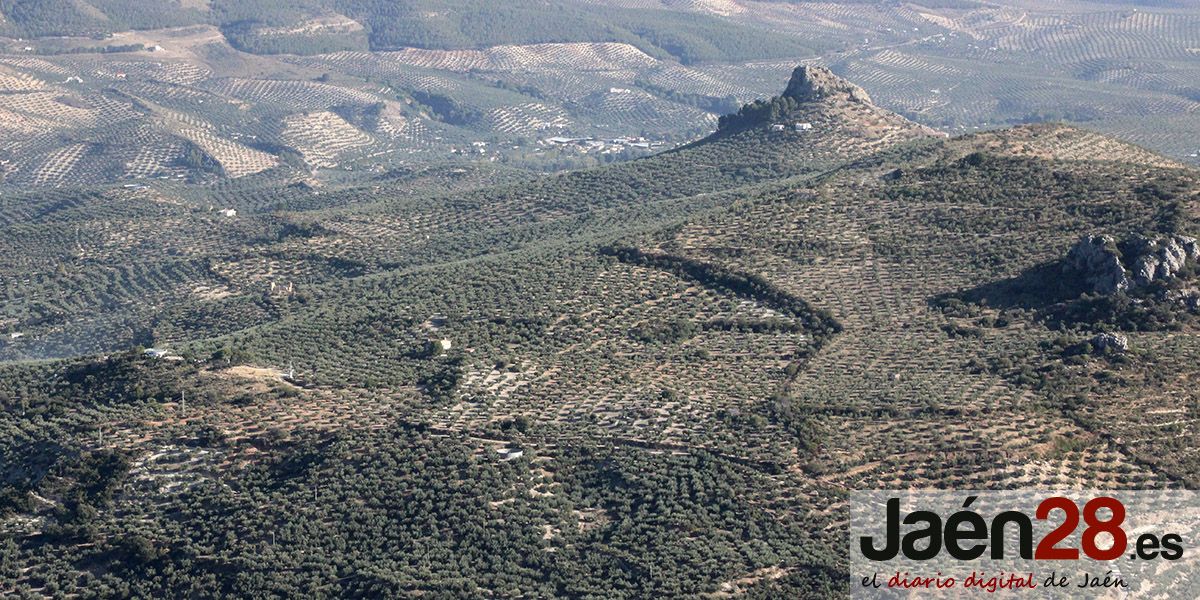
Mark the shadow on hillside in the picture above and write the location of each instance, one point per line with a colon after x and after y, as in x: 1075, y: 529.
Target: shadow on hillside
x: 1035, y: 288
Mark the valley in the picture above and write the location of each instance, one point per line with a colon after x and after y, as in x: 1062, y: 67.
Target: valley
x: 312, y: 96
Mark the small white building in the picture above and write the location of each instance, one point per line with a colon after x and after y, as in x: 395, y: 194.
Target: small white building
x: 443, y: 345
x: 160, y: 354
x: 803, y: 126
x: 777, y: 127
x: 228, y: 212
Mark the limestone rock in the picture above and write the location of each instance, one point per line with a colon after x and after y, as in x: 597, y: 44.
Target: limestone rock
x: 1107, y: 270
x: 1096, y: 257
x: 1111, y: 342
x: 814, y: 83
x: 1161, y: 258
x: 1189, y: 298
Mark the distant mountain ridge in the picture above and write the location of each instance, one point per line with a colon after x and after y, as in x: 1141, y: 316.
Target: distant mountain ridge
x: 317, y: 26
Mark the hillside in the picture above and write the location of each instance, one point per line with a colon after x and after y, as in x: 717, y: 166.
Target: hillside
x: 883, y: 245
x: 320, y: 26
x: 651, y: 379
x: 104, y: 91
x: 192, y: 260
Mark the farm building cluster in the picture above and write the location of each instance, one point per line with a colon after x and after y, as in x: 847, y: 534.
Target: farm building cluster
x: 798, y: 126
x: 602, y: 145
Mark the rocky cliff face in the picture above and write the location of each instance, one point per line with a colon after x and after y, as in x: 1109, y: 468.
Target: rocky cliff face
x: 810, y: 83
x: 1106, y: 269
x: 1162, y: 258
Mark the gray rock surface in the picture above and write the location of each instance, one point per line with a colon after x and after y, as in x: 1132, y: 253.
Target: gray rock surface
x: 1096, y: 257
x: 1189, y: 298
x: 1114, y: 342
x: 814, y: 83
x: 1106, y: 270
x: 1162, y: 258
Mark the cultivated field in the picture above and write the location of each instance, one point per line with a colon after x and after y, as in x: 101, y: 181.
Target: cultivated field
x: 219, y: 102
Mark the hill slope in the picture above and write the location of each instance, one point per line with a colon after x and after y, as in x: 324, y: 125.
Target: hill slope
x: 184, y: 245
x: 676, y: 365
x: 877, y: 243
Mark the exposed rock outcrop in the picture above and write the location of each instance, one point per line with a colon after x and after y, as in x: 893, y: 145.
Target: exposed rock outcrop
x: 1110, y: 342
x: 1097, y: 259
x: 1188, y: 297
x: 815, y: 83
x: 1161, y: 258
x: 1108, y: 267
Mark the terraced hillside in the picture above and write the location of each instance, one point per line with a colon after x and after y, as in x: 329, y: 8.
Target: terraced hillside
x: 877, y: 244
x: 652, y: 379
x: 284, y: 91
x: 183, y: 240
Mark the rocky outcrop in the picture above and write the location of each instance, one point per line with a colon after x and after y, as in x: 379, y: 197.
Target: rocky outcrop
x: 1188, y: 297
x: 1161, y: 258
x: 1108, y: 267
x: 1097, y: 259
x: 1110, y: 342
x: 810, y: 83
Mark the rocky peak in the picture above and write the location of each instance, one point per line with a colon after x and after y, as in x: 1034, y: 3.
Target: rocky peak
x: 1106, y: 269
x: 814, y: 83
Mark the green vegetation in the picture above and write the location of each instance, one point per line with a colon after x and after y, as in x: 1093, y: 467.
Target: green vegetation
x: 759, y: 112
x: 370, y: 514
x: 474, y: 23
x: 348, y: 376
x: 691, y: 38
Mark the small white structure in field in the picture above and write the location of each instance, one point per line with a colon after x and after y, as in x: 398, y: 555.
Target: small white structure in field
x: 443, y: 345
x: 510, y: 453
x: 16, y: 335
x: 777, y: 127
x: 228, y: 212
x: 803, y: 126
x: 160, y: 354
